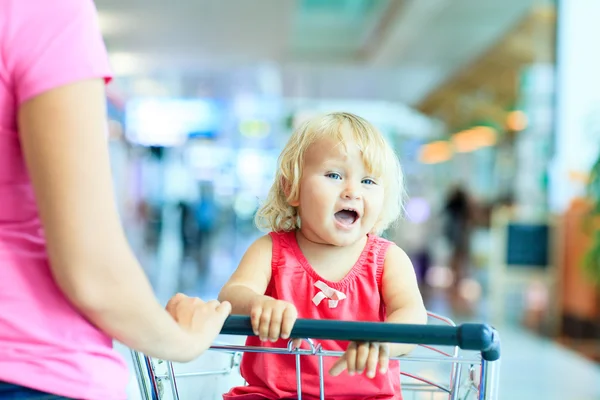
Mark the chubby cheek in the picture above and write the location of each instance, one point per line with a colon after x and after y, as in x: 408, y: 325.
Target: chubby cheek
x: 375, y: 207
x: 307, y: 203
x: 312, y: 203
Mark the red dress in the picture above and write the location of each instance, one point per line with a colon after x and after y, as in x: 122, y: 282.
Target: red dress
x: 271, y: 376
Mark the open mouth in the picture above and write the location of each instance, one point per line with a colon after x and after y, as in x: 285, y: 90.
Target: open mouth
x: 347, y: 216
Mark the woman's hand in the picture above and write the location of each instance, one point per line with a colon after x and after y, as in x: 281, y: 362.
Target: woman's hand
x: 202, y: 320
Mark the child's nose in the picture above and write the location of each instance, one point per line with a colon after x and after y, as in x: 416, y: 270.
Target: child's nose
x: 351, y: 192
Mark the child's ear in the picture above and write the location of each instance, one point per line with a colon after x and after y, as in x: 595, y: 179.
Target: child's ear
x: 287, y: 190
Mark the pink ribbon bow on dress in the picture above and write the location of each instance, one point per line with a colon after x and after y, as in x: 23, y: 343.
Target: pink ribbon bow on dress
x: 326, y: 292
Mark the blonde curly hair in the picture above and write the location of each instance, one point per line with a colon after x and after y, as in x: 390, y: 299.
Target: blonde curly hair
x: 276, y: 214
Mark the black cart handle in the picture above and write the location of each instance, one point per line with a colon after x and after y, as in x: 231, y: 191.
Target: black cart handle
x: 479, y: 337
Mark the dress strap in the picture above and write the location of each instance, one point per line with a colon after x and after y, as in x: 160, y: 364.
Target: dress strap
x: 281, y: 245
x: 380, y: 248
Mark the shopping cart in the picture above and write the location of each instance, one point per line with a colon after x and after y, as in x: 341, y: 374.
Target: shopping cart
x: 474, y: 346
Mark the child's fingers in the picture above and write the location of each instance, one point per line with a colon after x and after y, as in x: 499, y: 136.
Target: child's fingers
x: 362, y: 353
x: 296, y: 343
x: 351, y: 357
x: 275, y: 324
x: 264, y: 323
x: 373, y: 359
x: 289, y: 318
x: 255, y: 315
x: 339, y: 366
x: 384, y: 358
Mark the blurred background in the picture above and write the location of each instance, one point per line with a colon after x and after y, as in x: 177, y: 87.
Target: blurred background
x: 492, y: 106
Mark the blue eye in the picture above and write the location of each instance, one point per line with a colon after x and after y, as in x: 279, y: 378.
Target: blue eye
x: 368, y: 181
x: 334, y: 175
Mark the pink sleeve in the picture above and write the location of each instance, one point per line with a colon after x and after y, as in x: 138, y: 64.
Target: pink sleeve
x: 52, y: 43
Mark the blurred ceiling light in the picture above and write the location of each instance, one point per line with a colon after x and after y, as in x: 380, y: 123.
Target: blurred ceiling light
x: 474, y: 139
x: 516, y: 121
x: 463, y: 142
x: 579, y: 176
x: 486, y: 136
x: 125, y: 64
x: 257, y: 129
x: 435, y: 152
x: 250, y: 166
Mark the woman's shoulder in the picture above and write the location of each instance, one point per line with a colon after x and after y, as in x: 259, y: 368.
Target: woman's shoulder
x: 42, y: 53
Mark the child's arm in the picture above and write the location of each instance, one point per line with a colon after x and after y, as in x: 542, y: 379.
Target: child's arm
x: 271, y: 318
x: 401, y: 295
x: 250, y: 280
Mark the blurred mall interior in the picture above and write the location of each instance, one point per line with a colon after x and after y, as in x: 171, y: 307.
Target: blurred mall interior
x: 492, y: 106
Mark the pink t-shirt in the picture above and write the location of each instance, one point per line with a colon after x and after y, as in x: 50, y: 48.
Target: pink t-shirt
x: 45, y: 343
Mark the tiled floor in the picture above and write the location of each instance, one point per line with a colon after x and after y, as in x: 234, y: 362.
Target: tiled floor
x: 531, y: 368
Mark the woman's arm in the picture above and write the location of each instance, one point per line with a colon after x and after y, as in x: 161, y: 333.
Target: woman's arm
x: 64, y: 140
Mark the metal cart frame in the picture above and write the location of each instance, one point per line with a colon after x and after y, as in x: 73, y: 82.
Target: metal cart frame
x: 482, y: 338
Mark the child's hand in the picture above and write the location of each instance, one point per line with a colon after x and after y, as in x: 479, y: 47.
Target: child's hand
x: 272, y: 319
x: 371, y: 355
